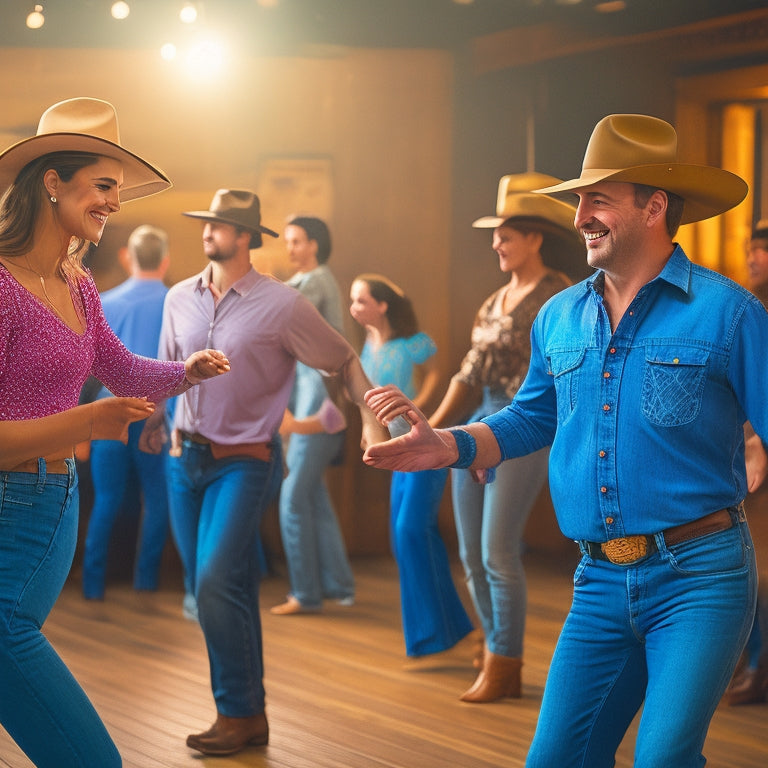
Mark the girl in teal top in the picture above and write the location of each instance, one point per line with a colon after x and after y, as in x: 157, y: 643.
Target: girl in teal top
x: 434, y: 618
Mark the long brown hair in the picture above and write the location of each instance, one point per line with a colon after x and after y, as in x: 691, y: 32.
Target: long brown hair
x: 22, y: 204
x: 400, y: 314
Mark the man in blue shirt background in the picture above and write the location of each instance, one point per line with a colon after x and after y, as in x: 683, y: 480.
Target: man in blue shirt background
x: 641, y: 379
x: 134, y: 311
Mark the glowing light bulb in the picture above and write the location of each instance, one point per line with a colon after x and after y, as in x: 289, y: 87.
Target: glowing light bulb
x: 120, y: 10
x: 188, y: 13
x: 35, y: 20
x: 168, y: 52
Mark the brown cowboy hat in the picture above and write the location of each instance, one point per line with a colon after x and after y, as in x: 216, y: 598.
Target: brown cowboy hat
x: 640, y: 149
x: 238, y: 207
x: 83, y: 125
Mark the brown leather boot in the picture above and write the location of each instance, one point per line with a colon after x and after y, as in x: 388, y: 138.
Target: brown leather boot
x: 229, y: 735
x: 499, y: 678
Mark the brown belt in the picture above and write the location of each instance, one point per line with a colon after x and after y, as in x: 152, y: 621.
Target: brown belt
x: 630, y: 549
x: 261, y: 451
x: 52, y: 466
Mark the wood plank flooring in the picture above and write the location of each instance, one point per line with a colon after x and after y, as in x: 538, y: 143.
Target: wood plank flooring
x: 339, y: 691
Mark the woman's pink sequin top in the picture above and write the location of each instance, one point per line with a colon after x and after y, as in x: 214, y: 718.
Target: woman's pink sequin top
x: 44, y: 363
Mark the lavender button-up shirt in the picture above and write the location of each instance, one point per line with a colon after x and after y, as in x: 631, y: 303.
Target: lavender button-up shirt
x: 264, y: 327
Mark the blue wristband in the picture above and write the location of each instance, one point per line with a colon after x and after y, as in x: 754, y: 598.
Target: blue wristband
x: 467, y: 448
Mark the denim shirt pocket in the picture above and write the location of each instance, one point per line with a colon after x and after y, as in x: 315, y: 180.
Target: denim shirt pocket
x: 564, y: 366
x: 673, y: 382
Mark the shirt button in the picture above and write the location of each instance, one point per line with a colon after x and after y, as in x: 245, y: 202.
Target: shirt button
x: 606, y: 375
x: 606, y: 407
x: 609, y: 520
x: 601, y: 454
x: 612, y: 350
x: 603, y: 489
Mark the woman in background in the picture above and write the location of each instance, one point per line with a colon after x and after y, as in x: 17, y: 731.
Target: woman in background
x: 318, y: 566
x: 395, y: 352
x: 531, y: 234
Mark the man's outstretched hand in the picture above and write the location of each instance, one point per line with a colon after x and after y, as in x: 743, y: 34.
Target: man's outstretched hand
x: 421, y: 448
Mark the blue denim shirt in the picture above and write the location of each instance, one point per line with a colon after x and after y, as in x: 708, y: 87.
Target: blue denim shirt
x: 645, y: 423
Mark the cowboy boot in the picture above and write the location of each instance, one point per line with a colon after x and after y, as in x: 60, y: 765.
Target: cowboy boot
x: 229, y: 735
x: 499, y: 678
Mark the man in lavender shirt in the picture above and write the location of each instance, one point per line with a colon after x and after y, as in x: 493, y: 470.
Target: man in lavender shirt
x: 225, y: 462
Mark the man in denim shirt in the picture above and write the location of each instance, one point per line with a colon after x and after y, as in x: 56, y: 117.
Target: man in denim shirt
x: 641, y: 379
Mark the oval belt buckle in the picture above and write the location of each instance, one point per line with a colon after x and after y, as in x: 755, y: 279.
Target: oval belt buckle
x: 625, y: 550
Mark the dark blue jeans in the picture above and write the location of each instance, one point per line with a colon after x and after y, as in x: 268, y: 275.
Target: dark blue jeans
x: 665, y: 634
x: 216, y: 510
x: 41, y: 705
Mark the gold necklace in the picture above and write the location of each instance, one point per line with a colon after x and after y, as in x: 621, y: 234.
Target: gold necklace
x: 31, y: 269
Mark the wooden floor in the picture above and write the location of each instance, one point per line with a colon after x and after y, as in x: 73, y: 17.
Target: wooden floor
x: 339, y: 692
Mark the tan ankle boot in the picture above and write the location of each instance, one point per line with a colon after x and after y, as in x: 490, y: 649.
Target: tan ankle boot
x: 499, y: 678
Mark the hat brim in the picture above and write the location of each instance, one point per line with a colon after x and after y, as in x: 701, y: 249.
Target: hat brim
x: 706, y: 190
x: 209, y: 216
x: 528, y: 205
x: 140, y: 178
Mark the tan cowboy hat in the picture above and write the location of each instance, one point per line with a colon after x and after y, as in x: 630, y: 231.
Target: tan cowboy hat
x: 516, y: 199
x: 640, y: 149
x: 83, y: 125
x: 238, y: 207
x: 563, y: 249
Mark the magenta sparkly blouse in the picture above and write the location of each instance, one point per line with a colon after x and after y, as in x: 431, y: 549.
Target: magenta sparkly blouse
x: 44, y: 363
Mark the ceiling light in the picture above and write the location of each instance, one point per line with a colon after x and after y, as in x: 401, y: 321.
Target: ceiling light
x: 168, y: 52
x: 35, y: 20
x: 188, y: 13
x: 120, y: 10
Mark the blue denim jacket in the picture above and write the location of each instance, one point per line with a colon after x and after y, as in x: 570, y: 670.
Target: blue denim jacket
x: 646, y: 423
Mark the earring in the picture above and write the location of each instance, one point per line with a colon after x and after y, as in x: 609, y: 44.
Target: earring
x: 53, y: 199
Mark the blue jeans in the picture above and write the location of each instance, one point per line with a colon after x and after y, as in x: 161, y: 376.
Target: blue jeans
x: 112, y: 464
x: 216, y: 510
x: 434, y: 618
x: 667, y: 631
x: 41, y: 705
x: 490, y: 520
x: 318, y: 566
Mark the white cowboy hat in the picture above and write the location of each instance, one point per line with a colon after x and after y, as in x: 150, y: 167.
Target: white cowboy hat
x: 640, y: 149
x: 83, y: 125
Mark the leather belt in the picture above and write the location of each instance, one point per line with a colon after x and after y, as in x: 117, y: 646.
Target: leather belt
x: 260, y: 451
x: 631, y: 549
x: 193, y: 437
x: 52, y: 466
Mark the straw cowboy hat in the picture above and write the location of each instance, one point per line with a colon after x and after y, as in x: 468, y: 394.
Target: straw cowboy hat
x: 83, y: 125
x: 640, y: 149
x: 238, y: 207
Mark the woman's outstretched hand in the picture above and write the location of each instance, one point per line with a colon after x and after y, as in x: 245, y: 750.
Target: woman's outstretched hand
x: 111, y: 416
x: 422, y: 448
x: 205, y: 364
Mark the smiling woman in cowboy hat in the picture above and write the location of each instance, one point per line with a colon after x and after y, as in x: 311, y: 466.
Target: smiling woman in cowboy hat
x: 59, y: 188
x: 534, y: 238
x: 641, y: 379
